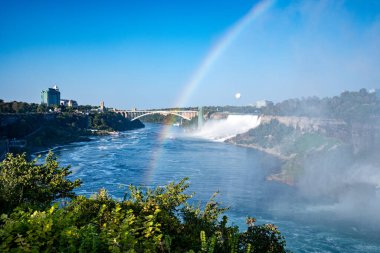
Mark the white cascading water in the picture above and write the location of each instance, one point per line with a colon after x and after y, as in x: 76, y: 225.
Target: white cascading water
x: 223, y: 129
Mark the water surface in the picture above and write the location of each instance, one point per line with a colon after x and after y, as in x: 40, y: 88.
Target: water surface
x: 139, y: 157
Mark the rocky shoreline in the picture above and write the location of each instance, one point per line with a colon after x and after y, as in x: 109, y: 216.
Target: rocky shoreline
x: 292, y: 140
x: 277, y: 177
x: 270, y: 151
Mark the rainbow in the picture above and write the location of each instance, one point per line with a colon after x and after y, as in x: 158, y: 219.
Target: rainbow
x: 196, y: 79
x: 219, y: 48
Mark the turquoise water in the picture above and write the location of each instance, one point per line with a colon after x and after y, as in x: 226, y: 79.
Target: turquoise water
x: 138, y: 157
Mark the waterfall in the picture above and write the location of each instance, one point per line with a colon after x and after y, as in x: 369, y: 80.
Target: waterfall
x: 223, y: 129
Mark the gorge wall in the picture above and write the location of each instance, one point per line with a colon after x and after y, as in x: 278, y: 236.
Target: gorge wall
x: 362, y: 136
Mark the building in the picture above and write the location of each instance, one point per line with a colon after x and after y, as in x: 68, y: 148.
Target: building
x: 51, y: 96
x: 102, y: 108
x: 72, y: 103
x: 69, y: 103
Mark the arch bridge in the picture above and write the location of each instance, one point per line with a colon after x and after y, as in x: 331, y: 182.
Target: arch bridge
x: 136, y: 114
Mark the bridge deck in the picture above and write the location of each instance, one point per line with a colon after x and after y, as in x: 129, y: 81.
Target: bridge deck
x: 136, y: 114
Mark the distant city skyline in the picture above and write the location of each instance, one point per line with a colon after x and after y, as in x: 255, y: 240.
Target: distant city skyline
x: 156, y: 54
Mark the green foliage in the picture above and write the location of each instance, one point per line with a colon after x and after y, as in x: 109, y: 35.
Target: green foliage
x: 349, y: 106
x: 354, y: 106
x: 263, y: 238
x: 26, y: 184
x: 42, y: 108
x: 294, y: 144
x: 310, y: 141
x: 49, y: 129
x: 268, y: 135
x: 147, y: 220
x: 111, y: 121
x: 207, y: 246
x: 31, y: 125
x: 166, y: 119
x: 156, y: 118
x: 17, y: 107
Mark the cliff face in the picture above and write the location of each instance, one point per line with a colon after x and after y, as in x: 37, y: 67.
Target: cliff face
x: 22, y: 125
x: 42, y: 130
x: 365, y: 136
x: 298, y: 139
x: 329, y: 127
x: 361, y: 136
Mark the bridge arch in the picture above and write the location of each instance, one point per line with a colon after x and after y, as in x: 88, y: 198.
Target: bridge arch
x: 162, y: 113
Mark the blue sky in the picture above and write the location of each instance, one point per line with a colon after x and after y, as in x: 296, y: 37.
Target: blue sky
x: 144, y: 53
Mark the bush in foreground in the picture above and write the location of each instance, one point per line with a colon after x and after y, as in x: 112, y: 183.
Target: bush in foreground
x: 158, y: 220
x: 28, y: 184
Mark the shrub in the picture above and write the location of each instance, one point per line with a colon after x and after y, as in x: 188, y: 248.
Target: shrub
x: 27, y: 184
x: 147, y: 220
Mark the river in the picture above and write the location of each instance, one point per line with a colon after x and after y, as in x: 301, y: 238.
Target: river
x: 142, y: 157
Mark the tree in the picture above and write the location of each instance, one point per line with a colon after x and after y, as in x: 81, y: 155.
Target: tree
x: 42, y: 108
x: 147, y: 220
x: 27, y: 184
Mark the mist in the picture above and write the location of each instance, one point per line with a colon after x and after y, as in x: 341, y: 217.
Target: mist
x: 345, y: 186
x: 328, y: 147
x: 223, y: 129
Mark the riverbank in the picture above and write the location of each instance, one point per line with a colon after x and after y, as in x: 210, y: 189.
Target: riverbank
x: 281, y: 177
x: 32, y: 133
x: 270, y: 151
x: 293, y: 145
